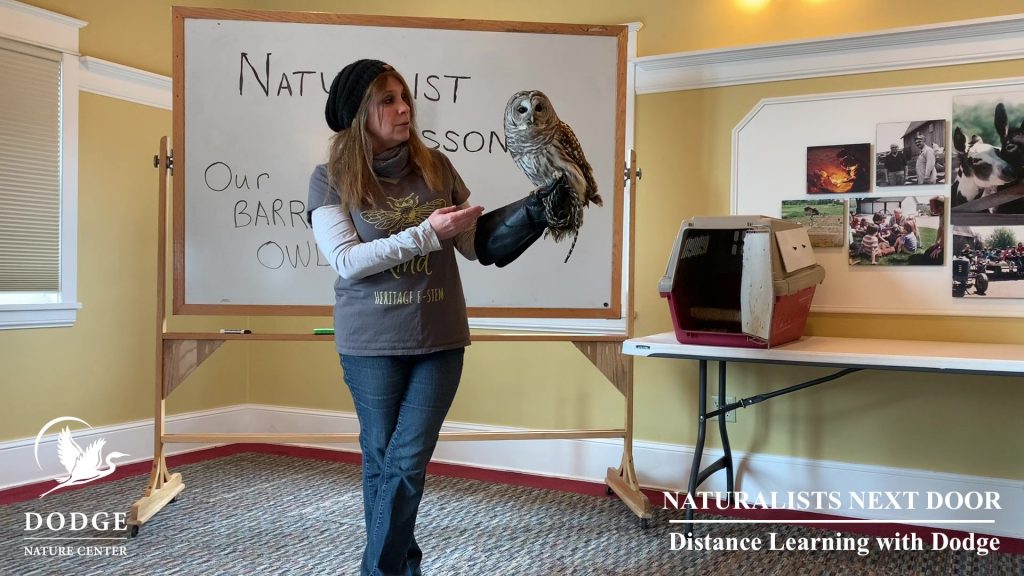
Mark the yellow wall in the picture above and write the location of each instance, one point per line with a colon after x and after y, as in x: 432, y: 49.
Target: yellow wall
x: 922, y: 421
x: 102, y: 369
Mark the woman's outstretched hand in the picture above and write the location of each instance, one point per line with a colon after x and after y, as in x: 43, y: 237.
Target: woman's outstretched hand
x: 450, y: 221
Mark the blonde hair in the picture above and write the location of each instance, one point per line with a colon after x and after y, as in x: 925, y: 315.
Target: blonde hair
x: 350, y: 162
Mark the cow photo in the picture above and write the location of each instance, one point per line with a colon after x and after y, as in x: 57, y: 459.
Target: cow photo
x: 988, y: 160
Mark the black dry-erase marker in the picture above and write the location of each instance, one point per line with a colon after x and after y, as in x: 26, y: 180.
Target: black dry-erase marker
x: 235, y: 331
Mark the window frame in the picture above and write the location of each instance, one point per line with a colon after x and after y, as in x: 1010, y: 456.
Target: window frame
x: 31, y: 25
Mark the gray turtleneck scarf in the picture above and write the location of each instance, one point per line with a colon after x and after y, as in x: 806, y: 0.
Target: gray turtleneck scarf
x: 393, y: 163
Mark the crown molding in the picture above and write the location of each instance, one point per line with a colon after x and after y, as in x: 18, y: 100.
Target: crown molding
x: 124, y: 82
x: 25, y: 23
x: 43, y: 14
x: 963, y: 42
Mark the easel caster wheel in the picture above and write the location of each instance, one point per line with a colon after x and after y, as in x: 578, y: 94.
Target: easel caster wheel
x: 173, y: 500
x: 608, y: 491
x: 644, y: 523
x: 133, y: 530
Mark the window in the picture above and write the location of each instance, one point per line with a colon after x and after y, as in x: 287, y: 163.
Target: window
x: 38, y: 167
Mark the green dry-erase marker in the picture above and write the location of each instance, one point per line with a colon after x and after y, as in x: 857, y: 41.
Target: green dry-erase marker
x: 323, y: 331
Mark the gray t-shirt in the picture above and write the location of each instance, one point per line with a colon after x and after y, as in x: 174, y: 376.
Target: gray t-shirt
x: 415, y: 307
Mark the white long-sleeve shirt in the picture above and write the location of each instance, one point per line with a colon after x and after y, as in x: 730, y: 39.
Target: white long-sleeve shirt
x: 352, y: 258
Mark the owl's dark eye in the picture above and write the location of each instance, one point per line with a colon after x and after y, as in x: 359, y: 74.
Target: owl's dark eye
x: 522, y: 109
x: 539, y: 108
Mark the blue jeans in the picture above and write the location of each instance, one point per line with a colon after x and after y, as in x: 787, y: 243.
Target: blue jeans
x: 401, y: 402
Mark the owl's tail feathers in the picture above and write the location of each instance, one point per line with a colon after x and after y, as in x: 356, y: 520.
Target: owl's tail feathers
x: 596, y: 199
x: 575, y: 237
x: 564, y: 213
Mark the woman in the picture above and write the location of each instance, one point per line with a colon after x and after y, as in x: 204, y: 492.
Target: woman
x: 388, y: 214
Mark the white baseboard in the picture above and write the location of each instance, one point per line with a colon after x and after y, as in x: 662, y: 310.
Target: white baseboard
x: 132, y: 438
x: 659, y: 466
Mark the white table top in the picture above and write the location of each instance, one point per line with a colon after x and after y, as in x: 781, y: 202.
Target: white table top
x: 915, y: 355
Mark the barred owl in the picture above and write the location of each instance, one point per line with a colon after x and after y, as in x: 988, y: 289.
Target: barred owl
x: 545, y: 148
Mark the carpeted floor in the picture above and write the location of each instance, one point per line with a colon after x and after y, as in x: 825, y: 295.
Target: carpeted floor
x: 254, y: 512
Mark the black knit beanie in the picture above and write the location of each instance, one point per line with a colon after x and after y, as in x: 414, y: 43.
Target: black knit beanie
x: 348, y: 89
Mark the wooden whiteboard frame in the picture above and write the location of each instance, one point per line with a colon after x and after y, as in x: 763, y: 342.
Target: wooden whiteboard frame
x: 180, y: 14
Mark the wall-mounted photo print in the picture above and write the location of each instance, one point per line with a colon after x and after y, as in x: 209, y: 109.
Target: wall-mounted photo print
x: 822, y: 218
x: 838, y: 169
x: 988, y: 261
x: 988, y: 158
x: 897, y: 231
x: 908, y: 153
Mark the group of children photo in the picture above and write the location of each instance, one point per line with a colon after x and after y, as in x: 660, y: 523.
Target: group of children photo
x: 894, y: 236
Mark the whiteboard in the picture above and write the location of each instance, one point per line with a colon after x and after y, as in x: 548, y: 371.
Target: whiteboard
x: 769, y: 165
x: 249, y: 94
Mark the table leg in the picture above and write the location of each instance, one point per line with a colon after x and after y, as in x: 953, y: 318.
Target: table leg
x: 698, y: 476
x: 698, y: 449
x: 729, y: 476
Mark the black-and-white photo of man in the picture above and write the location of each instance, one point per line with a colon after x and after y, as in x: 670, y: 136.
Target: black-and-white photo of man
x: 911, y: 152
x: 895, y: 165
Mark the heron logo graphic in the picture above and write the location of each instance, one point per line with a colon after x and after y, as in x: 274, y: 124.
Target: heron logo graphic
x: 82, y: 466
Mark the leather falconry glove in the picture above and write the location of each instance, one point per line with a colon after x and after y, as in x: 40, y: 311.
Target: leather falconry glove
x: 502, y: 235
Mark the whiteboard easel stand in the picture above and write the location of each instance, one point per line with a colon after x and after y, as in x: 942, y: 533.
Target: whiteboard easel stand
x: 163, y: 486
x: 622, y: 480
x: 178, y: 354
